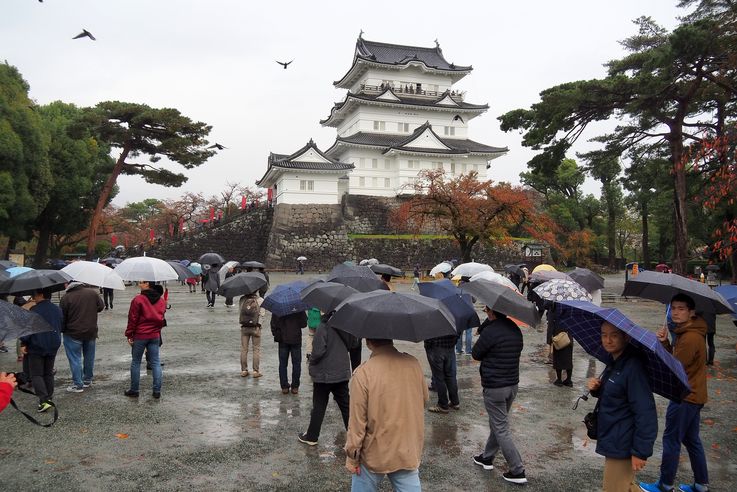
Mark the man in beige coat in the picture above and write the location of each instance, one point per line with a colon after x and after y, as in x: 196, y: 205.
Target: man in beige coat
x: 388, y: 396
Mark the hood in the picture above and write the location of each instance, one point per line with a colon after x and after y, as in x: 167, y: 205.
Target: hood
x: 696, y: 324
x: 74, y: 285
x: 152, y: 295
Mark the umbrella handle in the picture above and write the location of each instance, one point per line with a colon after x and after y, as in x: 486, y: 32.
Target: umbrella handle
x: 585, y: 396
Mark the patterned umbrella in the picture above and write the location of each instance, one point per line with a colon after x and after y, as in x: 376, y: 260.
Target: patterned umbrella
x: 582, y: 320
x: 558, y: 290
x: 285, y: 299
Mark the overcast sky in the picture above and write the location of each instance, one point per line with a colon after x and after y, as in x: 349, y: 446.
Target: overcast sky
x: 214, y: 60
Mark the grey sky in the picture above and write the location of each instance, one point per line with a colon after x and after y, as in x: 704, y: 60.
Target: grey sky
x: 214, y: 60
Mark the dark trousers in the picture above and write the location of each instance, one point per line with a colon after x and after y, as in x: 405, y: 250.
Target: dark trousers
x: 441, y: 364
x: 287, y: 350
x: 228, y: 301
x: 107, y: 296
x: 320, y: 397
x: 682, y: 421
x: 41, y: 368
x: 355, y: 354
x: 712, y: 348
x: 210, y: 297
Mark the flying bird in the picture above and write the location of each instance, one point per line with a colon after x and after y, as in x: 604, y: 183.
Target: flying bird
x: 284, y: 64
x: 217, y: 146
x: 85, y: 34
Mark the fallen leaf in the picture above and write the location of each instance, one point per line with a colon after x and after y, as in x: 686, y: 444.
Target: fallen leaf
x: 274, y: 474
x: 708, y: 421
x: 50, y: 461
x: 83, y: 430
x: 715, y: 446
x: 121, y: 436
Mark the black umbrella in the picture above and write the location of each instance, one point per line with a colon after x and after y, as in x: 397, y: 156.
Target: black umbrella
x: 53, y: 280
x: 503, y: 299
x: 16, y: 322
x: 326, y: 295
x: 386, y: 269
x: 211, y: 259
x: 242, y: 284
x: 712, y: 268
x: 514, y: 268
x: 343, y: 270
x: 587, y: 279
x: 394, y: 316
x: 183, y: 272
x: 252, y: 264
x: 541, y: 276
x: 5, y: 264
x: 663, y: 286
x: 361, y: 278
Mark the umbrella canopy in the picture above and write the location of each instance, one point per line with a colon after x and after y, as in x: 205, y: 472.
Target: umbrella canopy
x: 544, y: 267
x: 53, y: 280
x: 515, y: 268
x: 544, y: 275
x: 326, y: 295
x: 471, y: 269
x: 285, y: 299
x: 252, y: 264
x: 3, y: 274
x: 301, y: 258
x: 16, y: 322
x: 242, y: 284
x: 583, y: 322
x: 17, y: 270
x: 460, y: 304
x: 363, y: 263
x: 343, y: 270
x: 443, y: 267
x: 504, y: 300
x: 558, y: 290
x: 587, y: 279
x: 93, y: 273
x: 361, y: 278
x: 185, y: 262
x: 224, y: 269
x: 663, y: 286
x: 182, y: 271
x: 729, y: 292
x: 5, y: 264
x: 386, y: 269
x: 145, y: 268
x: 111, y: 261
x: 195, y: 268
x: 495, y: 277
x: 372, y: 261
x: 211, y: 259
x: 712, y: 268
x: 395, y: 316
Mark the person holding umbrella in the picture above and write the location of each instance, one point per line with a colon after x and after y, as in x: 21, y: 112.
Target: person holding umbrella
x: 250, y: 317
x: 627, y: 424
x: 287, y: 331
x: 212, y: 284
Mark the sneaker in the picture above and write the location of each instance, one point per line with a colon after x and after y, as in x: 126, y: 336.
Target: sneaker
x: 256, y: 374
x: 44, y: 406
x: 457, y: 406
x: 558, y: 382
x: 485, y: 463
x: 303, y: 438
x: 86, y: 384
x: 693, y: 488
x: 518, y: 478
x: 3, y: 349
x: 295, y: 391
x: 437, y: 409
x: 131, y: 393
x: 568, y: 383
x: 654, y: 487
x: 285, y: 391
x: 244, y: 374
x: 74, y: 389
x: 156, y: 394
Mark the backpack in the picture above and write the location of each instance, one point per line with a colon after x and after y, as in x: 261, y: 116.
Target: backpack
x: 249, y: 312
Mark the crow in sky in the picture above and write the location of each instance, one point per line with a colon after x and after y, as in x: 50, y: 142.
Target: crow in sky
x: 85, y: 34
x: 284, y: 64
x: 217, y: 146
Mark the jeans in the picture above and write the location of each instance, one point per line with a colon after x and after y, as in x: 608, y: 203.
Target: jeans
x: 285, y: 351
x: 151, y: 346
x: 498, y: 401
x: 320, y: 397
x: 402, y: 480
x: 469, y: 341
x: 107, y: 295
x: 453, y: 369
x: 76, y: 350
x: 682, y: 422
x: 41, y: 368
x: 443, y: 372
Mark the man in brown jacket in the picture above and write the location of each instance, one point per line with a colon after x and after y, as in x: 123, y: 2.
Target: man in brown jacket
x: 386, y: 428
x: 682, y: 420
x: 80, y: 306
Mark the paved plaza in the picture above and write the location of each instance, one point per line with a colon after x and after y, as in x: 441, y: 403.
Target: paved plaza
x: 213, y: 430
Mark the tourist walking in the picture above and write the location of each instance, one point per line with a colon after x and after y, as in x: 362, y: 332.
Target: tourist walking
x: 79, y: 306
x: 250, y: 318
x: 212, y: 283
x: 330, y: 369
x: 145, y: 321
x: 498, y: 348
x: 41, y: 349
x: 563, y: 356
x: 287, y: 331
x: 386, y: 427
x: 228, y: 274
x: 107, y: 297
x: 440, y: 356
x: 627, y: 423
x: 682, y: 420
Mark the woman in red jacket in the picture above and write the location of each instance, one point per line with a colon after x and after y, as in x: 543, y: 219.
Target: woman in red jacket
x: 145, y: 321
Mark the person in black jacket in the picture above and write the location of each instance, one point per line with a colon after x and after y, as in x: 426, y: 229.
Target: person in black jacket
x: 499, y: 347
x: 628, y: 422
x: 287, y: 331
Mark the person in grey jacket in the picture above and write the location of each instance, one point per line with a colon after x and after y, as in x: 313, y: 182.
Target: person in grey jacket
x: 330, y: 369
x: 212, y: 284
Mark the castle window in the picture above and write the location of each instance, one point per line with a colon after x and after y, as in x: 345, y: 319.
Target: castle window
x: 361, y: 162
x: 387, y: 183
x: 437, y: 165
x: 380, y: 126
x: 413, y: 164
x: 362, y: 182
x: 374, y: 182
x: 450, y: 130
x: 403, y: 127
x: 387, y: 164
x: 374, y: 163
x: 306, y: 185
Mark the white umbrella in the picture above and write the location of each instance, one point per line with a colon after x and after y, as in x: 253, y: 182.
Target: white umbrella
x: 372, y: 261
x: 224, y: 269
x: 302, y: 258
x: 443, y: 267
x: 494, y: 277
x: 96, y: 274
x: 471, y: 269
x: 145, y: 268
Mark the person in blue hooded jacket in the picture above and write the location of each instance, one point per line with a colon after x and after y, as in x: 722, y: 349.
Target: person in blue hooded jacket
x: 628, y: 422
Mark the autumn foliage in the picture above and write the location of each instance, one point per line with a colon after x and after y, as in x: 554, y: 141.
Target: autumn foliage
x: 471, y: 210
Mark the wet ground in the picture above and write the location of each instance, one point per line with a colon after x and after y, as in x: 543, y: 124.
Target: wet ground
x: 213, y: 430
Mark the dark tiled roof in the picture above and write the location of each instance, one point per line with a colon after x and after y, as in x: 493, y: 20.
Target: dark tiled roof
x: 285, y: 161
x: 323, y: 166
x: 396, y: 54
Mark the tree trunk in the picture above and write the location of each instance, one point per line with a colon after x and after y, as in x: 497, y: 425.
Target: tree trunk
x: 645, y: 236
x: 44, y: 234
x: 680, y: 224
x: 104, y: 194
x: 12, y: 242
x: 611, y: 226
x: 733, y: 261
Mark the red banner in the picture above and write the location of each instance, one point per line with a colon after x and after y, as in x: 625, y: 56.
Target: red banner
x: 151, y: 235
x: 243, y: 203
x: 181, y: 224
x: 270, y: 196
x: 114, y: 240
x: 212, y: 213
x: 220, y: 217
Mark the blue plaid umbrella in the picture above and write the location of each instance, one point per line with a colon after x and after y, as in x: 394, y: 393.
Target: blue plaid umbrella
x: 729, y: 292
x: 458, y: 303
x: 285, y: 299
x: 583, y: 320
